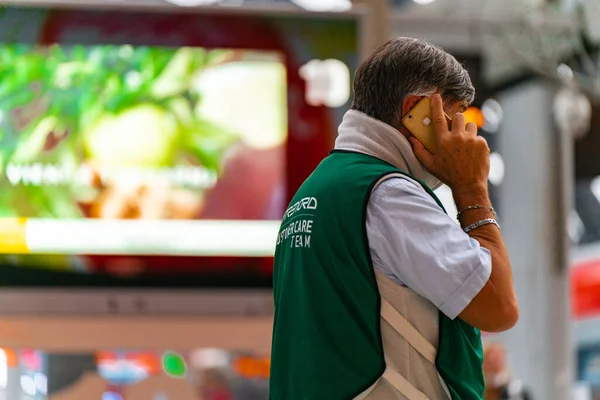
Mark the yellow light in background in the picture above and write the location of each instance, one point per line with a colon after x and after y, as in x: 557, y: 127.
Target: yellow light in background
x: 475, y: 115
x: 13, y: 238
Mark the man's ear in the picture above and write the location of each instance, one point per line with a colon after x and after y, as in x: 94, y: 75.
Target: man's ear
x: 408, y: 103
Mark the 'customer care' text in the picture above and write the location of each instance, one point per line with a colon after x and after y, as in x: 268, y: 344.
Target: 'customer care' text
x: 297, y: 223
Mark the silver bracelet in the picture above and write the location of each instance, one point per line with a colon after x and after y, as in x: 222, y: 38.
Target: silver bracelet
x: 483, y: 222
x: 476, y: 207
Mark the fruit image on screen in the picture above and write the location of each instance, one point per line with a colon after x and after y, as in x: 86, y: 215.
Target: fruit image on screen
x: 138, y: 150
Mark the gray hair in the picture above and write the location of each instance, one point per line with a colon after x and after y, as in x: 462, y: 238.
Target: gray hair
x: 403, y: 67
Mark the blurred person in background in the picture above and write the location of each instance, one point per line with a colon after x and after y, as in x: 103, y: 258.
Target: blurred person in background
x: 214, y: 385
x: 499, y: 383
x: 378, y: 293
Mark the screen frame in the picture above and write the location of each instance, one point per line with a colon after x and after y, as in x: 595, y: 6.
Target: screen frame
x: 358, y: 11
x: 46, y: 317
x: 367, y: 21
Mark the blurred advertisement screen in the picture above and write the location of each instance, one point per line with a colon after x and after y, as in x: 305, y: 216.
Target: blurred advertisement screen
x: 117, y: 374
x: 136, y: 148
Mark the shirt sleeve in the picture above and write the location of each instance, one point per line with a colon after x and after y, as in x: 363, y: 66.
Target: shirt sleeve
x: 417, y: 245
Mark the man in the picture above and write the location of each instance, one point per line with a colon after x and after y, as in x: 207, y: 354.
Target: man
x: 499, y: 384
x: 378, y: 293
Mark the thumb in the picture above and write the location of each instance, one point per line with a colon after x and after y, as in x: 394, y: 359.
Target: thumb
x: 422, y: 154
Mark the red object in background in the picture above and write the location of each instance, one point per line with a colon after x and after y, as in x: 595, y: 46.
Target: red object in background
x: 147, y: 360
x: 248, y: 171
x: 31, y: 360
x: 311, y: 130
x: 222, y: 394
x: 150, y: 361
x: 105, y: 357
x: 585, y: 289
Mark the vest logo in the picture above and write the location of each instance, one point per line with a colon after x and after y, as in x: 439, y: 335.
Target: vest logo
x: 307, y: 203
x: 297, y: 225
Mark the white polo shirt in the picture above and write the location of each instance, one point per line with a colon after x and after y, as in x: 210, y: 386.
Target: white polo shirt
x: 416, y: 244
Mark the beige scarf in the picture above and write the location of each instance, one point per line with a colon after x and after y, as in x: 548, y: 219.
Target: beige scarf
x: 360, y: 133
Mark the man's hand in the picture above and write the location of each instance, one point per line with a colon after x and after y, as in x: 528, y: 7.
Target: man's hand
x: 462, y: 159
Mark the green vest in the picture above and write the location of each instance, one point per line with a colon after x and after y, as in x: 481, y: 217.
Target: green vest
x: 326, y: 334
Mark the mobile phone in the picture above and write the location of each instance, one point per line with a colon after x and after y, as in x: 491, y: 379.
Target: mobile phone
x: 419, y: 122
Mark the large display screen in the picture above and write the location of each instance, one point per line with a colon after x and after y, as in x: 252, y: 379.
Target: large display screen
x: 104, y: 146
x: 150, y: 149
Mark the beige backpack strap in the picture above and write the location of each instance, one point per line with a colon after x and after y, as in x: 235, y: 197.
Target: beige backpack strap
x: 399, y: 383
x: 367, y: 392
x: 402, y: 385
x: 407, y: 331
x: 414, y: 338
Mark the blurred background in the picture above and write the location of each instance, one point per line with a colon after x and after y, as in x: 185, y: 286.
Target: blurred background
x: 148, y: 149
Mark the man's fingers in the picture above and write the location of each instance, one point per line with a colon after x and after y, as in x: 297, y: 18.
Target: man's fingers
x: 422, y: 154
x: 440, y: 126
x: 458, y: 123
x: 471, y: 129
